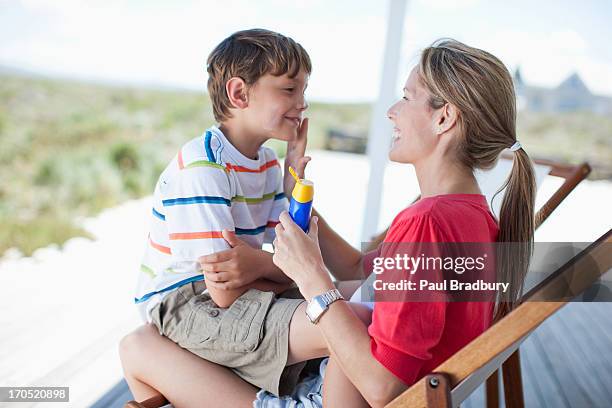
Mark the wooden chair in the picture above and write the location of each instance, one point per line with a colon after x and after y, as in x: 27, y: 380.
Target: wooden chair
x: 454, y: 380
x: 572, y: 175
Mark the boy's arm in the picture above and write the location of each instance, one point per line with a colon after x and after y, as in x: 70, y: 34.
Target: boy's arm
x: 240, y: 265
x: 225, y: 297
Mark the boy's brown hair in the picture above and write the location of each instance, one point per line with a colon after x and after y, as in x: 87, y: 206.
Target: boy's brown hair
x: 250, y: 54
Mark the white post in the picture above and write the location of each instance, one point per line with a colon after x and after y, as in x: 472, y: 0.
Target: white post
x: 379, y: 137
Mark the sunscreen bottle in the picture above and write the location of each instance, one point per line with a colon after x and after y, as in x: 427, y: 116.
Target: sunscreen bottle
x: 300, y: 205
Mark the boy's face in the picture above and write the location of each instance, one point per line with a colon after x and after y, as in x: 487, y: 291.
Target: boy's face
x: 276, y: 105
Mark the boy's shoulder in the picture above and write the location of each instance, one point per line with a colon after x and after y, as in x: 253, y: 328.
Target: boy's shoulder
x: 193, y: 168
x: 202, y: 151
x: 212, y: 149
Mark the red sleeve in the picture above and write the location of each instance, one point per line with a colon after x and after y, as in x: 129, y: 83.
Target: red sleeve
x: 368, y: 262
x: 403, y: 333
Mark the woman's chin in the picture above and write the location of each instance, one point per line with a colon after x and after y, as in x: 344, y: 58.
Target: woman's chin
x: 396, y: 156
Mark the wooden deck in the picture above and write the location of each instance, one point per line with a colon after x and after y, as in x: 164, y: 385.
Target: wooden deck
x: 566, y: 362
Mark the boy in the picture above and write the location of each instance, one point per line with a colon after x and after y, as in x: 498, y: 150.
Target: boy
x: 224, y: 190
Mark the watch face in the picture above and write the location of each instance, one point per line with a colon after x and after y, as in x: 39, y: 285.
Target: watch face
x: 314, y: 309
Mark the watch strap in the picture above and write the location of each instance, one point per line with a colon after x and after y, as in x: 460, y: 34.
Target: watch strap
x: 318, y: 305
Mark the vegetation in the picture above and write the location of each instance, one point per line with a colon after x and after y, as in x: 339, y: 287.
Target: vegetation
x: 571, y: 137
x: 70, y: 149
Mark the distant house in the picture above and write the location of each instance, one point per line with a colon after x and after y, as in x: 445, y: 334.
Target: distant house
x: 570, y: 95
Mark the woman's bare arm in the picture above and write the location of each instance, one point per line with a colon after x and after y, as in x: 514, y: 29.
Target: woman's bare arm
x: 343, y: 261
x: 299, y: 256
x: 373, y: 380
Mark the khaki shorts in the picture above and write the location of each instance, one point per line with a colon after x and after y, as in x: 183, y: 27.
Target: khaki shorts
x: 251, y: 336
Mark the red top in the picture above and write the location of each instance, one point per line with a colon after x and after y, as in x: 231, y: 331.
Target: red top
x: 412, y: 338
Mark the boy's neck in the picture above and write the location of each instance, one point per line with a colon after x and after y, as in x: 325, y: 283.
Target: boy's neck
x: 244, y: 141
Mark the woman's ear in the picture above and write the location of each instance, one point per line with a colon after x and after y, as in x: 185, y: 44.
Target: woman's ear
x: 449, y: 114
x: 237, y: 94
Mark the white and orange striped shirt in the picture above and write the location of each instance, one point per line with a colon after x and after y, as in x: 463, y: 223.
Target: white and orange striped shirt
x: 209, y: 186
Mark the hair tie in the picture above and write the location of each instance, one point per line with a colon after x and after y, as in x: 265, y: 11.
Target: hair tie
x: 515, y: 146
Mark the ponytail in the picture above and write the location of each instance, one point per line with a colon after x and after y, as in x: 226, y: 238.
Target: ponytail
x: 516, y: 230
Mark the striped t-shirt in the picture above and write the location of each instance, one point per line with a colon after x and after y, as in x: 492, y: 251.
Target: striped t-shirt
x: 209, y: 186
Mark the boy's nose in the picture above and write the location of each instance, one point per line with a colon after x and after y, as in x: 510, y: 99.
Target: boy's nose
x: 303, y: 105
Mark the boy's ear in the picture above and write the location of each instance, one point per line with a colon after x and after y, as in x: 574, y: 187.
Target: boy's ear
x: 237, y: 94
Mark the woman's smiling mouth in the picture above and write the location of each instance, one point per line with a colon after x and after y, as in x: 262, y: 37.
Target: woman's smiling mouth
x: 396, y: 134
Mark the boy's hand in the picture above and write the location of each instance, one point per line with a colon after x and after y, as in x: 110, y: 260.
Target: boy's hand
x: 295, y: 157
x: 233, y: 268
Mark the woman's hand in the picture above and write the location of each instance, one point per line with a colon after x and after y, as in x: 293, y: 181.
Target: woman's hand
x: 298, y: 255
x: 235, y: 267
x: 295, y: 157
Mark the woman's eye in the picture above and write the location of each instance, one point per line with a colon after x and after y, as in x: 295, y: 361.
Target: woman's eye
x: 404, y: 98
x: 289, y: 89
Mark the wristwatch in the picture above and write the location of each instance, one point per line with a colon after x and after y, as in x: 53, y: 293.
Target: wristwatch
x: 319, y: 304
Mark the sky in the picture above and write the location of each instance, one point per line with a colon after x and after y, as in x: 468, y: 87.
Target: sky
x: 165, y: 43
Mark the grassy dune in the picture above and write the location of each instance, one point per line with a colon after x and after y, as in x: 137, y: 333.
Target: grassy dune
x: 70, y: 149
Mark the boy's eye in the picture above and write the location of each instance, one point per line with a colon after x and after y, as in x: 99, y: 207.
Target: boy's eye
x: 404, y: 98
x: 289, y: 89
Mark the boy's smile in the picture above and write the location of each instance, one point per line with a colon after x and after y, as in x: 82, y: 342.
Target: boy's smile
x: 294, y: 120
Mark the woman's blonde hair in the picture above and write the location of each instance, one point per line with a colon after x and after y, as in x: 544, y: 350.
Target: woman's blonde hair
x: 480, y: 87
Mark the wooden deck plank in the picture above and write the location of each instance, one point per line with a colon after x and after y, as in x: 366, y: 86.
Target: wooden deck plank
x: 116, y: 397
x: 531, y: 391
x: 589, y: 319
x: 23, y: 331
x: 588, y: 355
x: 574, y: 364
x: 601, y: 313
x: 542, y: 372
x: 564, y: 381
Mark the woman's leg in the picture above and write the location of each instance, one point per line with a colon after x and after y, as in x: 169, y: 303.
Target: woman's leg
x: 338, y: 390
x: 306, y: 342
x: 154, y: 364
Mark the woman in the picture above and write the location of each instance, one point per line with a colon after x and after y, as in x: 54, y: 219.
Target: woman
x: 457, y: 114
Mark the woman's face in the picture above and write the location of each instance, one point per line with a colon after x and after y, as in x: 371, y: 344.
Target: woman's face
x: 413, y: 120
